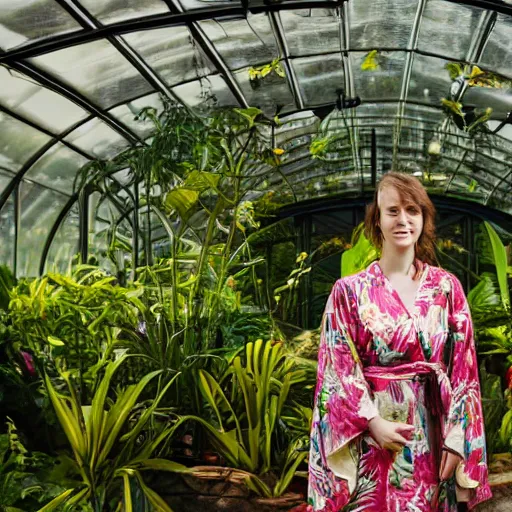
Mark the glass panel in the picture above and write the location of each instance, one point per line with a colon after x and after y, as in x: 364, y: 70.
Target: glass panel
x: 505, y: 131
x: 7, y: 233
x: 39, y: 209
x: 211, y: 89
x: 110, y: 11
x: 57, y: 168
x: 430, y: 81
x: 242, y: 43
x: 172, y: 53
x: 18, y: 142
x: 423, y: 115
x: 24, y: 21
x: 498, y: 50
x: 319, y: 78
x: 36, y: 103
x: 7, y: 226
x: 97, y: 70
x: 266, y: 93
x: 64, y: 249
x: 126, y: 114
x: 381, y: 23
x: 447, y: 28
x: 97, y: 139
x: 383, y: 83
x: 310, y: 31
x: 103, y: 215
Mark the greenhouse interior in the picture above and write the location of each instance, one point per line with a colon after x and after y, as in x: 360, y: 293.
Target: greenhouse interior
x: 181, y: 184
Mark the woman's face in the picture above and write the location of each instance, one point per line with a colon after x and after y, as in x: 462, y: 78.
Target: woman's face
x: 401, y: 223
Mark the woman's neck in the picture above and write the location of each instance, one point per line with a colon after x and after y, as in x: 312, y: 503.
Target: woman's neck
x: 397, y: 262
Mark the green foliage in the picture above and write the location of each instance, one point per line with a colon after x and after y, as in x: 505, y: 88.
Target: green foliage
x: 360, y: 255
x: 27, y: 479
x: 74, y: 321
x: 248, y: 401
x: 103, y: 439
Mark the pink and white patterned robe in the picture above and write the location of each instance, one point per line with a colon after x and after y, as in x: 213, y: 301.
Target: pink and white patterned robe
x: 376, y: 357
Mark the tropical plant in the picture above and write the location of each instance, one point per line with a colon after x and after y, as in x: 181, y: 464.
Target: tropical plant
x: 189, y: 186
x: 249, y: 403
x: 103, y: 439
x: 88, y: 310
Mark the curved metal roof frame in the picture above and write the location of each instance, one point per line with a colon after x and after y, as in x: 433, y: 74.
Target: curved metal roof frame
x: 25, y: 59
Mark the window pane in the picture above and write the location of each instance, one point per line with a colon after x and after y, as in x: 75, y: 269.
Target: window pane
x: 37, y: 104
x: 172, y: 53
x: 126, y: 114
x: 110, y: 11
x: 39, y: 209
x: 310, y: 31
x: 319, y: 78
x: 103, y: 215
x: 381, y: 23
x: 97, y: 139
x: 266, y: 93
x: 18, y: 142
x: 382, y: 83
x: 437, y: 34
x: 97, y: 70
x: 64, y: 249
x: 24, y: 21
x: 498, y: 51
x: 209, y: 89
x: 7, y: 227
x: 242, y: 43
x: 430, y: 81
x: 57, y: 168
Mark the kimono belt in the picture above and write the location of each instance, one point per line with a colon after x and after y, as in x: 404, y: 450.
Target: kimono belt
x: 437, y: 391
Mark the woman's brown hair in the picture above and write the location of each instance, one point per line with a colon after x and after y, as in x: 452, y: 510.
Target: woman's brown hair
x: 411, y: 191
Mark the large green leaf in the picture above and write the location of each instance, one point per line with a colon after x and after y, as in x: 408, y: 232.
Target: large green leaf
x: 500, y: 260
x: 58, y: 501
x: 360, y: 255
x: 182, y: 200
x: 69, y: 423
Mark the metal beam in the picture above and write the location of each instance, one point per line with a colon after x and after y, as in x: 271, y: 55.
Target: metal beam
x: 51, y: 44
x: 278, y: 30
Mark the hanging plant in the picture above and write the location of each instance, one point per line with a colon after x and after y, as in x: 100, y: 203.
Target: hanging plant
x: 477, y: 77
x: 257, y: 74
x: 467, y: 119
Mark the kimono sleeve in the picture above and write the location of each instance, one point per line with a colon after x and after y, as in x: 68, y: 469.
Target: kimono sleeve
x: 464, y: 432
x: 344, y: 404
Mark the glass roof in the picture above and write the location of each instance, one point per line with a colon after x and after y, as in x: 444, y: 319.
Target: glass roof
x: 74, y: 74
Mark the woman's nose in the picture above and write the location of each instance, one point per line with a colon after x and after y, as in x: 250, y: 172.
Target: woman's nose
x: 402, y: 217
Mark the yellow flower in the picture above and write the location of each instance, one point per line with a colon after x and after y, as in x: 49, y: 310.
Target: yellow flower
x: 278, y: 151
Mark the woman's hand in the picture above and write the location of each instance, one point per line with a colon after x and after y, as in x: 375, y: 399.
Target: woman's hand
x: 390, y: 435
x: 449, y: 463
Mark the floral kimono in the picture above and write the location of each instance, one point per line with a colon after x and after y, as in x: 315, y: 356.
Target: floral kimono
x: 376, y: 357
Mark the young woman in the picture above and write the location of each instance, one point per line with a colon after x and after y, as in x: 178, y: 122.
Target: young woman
x: 398, y: 423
